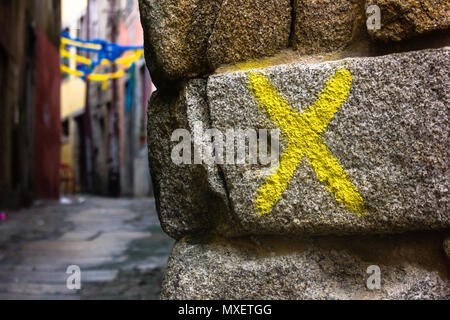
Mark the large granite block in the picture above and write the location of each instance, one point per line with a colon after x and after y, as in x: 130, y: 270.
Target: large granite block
x: 410, y: 267
x: 189, y: 198
x: 185, y: 39
x: 363, y: 149
x: 364, y: 144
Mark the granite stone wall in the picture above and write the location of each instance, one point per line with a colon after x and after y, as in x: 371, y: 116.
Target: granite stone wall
x: 357, y: 118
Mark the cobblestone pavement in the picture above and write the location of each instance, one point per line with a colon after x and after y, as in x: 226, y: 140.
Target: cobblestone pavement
x: 117, y: 243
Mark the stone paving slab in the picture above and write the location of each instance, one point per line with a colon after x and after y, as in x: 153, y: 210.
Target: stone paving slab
x: 104, y: 237
x: 54, y: 277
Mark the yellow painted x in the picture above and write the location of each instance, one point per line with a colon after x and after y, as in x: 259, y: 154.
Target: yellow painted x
x: 302, y: 132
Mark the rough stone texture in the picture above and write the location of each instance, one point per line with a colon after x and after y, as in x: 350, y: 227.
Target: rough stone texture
x: 176, y: 37
x: 412, y: 267
x: 185, y: 39
x: 247, y: 29
x: 447, y: 246
x: 390, y: 136
x: 189, y: 198
x: 402, y: 19
x: 327, y: 25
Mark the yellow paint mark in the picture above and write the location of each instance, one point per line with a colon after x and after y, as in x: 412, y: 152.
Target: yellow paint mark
x: 303, y: 135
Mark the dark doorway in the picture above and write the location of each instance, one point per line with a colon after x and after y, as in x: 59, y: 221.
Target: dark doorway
x: 81, y: 153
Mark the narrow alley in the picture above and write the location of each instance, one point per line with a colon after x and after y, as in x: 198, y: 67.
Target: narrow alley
x: 202, y: 153
x: 118, y: 245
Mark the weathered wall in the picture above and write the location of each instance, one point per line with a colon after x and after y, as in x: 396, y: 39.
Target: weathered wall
x: 47, y: 123
x: 186, y: 39
x: 73, y: 94
x: 12, y: 16
x: 23, y: 20
x: 118, y: 115
x: 412, y: 267
x: 135, y: 179
x: 362, y: 177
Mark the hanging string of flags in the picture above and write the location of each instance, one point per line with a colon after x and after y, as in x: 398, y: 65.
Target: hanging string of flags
x: 107, y: 55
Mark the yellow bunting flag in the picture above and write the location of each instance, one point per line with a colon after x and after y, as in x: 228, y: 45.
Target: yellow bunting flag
x: 66, y: 69
x: 80, y: 59
x: 127, y: 60
x: 65, y: 41
x: 132, y: 55
x: 106, y: 76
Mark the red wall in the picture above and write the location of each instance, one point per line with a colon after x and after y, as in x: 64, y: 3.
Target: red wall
x: 47, y: 125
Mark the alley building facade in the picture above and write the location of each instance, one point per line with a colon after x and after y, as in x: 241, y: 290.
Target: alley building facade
x: 105, y: 146
x: 30, y: 130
